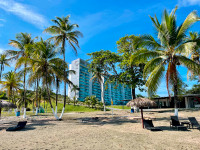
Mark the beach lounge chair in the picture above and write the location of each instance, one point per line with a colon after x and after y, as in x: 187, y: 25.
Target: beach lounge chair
x: 175, y: 123
x: 194, y: 122
x: 19, y: 126
x: 148, y: 124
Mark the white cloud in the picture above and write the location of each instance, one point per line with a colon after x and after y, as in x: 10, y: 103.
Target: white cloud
x: 186, y: 3
x: 25, y: 12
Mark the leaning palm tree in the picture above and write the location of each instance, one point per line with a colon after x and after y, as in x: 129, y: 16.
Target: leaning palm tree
x: 166, y: 52
x: 11, y: 84
x: 74, y: 89
x: 64, y: 32
x: 22, y: 43
x: 98, y: 75
x: 3, y: 62
x: 60, y: 75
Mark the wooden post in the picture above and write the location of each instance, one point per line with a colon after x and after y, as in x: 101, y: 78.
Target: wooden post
x: 0, y: 112
x: 142, y: 117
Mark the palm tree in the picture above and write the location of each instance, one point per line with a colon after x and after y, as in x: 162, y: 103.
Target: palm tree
x: 3, y: 62
x: 45, y: 66
x: 99, y: 76
x: 166, y: 52
x: 11, y: 84
x: 61, y: 75
x: 64, y: 31
x: 22, y: 43
x: 195, y: 50
x: 74, y: 89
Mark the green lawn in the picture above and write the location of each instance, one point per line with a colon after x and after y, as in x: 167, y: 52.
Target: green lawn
x: 119, y: 107
x: 68, y: 108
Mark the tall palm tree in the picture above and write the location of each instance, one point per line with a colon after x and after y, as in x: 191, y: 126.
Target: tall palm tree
x: 166, y: 52
x: 3, y: 62
x: 195, y: 50
x: 99, y: 76
x: 61, y: 75
x: 12, y: 83
x: 74, y: 89
x: 43, y: 65
x: 22, y: 43
x: 46, y: 66
x: 63, y: 31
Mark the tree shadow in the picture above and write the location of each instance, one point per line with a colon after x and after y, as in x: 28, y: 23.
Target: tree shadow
x: 104, y: 121
x: 31, y: 125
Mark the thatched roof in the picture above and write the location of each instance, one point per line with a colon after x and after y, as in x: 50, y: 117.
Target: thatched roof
x: 141, y: 102
x: 5, y: 104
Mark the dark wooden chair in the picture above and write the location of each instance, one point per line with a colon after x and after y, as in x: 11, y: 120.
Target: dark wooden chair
x: 19, y: 126
x: 148, y: 124
x: 194, y: 122
x: 176, y: 123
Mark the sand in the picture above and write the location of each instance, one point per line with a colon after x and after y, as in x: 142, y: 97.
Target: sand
x: 82, y: 131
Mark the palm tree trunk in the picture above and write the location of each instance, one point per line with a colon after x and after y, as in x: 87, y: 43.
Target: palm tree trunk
x: 63, y: 48
x: 133, y: 93
x: 75, y: 97
x: 24, y: 98
x: 36, y: 113
x: 57, y: 84
x: 175, y: 95
x: 49, y: 97
x: 1, y: 71
x: 102, y: 97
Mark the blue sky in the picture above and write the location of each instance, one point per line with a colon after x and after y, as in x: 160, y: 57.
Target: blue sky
x: 101, y: 22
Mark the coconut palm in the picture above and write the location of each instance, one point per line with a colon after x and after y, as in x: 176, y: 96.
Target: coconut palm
x: 11, y: 84
x: 3, y: 62
x: 61, y: 75
x: 64, y: 32
x: 195, y: 50
x: 99, y: 76
x: 22, y: 43
x: 74, y: 89
x: 166, y: 52
x: 44, y: 66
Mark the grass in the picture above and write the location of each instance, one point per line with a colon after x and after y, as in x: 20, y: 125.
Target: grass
x: 68, y: 108
x: 119, y: 107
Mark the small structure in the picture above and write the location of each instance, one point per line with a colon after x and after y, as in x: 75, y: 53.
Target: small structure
x: 141, y: 103
x: 184, y: 101
x: 5, y: 104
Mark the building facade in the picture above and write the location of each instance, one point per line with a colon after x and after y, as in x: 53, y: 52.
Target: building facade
x: 184, y: 101
x: 82, y: 79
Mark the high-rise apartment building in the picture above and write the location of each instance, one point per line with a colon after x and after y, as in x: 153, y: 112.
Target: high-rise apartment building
x: 82, y: 78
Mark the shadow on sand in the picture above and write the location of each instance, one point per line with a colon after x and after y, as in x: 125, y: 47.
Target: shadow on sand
x: 31, y: 125
x: 104, y: 121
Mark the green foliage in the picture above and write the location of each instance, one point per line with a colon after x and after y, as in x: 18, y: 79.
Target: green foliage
x: 194, y: 90
x: 131, y: 74
x: 166, y: 52
x: 3, y: 95
x: 93, y: 102
x: 12, y: 83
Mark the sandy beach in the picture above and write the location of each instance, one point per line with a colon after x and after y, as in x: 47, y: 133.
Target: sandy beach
x: 84, y: 131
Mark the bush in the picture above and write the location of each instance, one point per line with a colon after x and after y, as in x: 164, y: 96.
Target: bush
x: 93, y: 102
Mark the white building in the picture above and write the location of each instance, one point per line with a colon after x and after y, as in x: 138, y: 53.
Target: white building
x: 89, y: 87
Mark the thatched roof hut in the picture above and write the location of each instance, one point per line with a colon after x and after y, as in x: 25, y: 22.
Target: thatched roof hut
x: 141, y: 102
x: 5, y: 104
